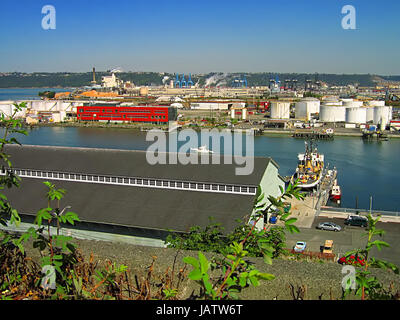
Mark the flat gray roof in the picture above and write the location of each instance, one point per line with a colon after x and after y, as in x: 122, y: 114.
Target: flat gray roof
x: 129, y: 163
x: 134, y: 206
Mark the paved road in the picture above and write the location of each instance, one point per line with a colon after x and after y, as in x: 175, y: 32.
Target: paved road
x: 349, y: 238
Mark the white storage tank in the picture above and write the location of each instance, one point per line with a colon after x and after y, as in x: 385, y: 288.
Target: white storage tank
x: 347, y: 102
x: 62, y: 106
x: 382, y: 116
x: 352, y: 103
x: 332, y: 113
x: 244, y: 114
x: 370, y: 114
x: 306, y: 107
x: 280, y: 110
x: 356, y: 115
x: 358, y: 103
x: 7, y: 108
x: 332, y: 101
x: 376, y: 103
x: 233, y: 113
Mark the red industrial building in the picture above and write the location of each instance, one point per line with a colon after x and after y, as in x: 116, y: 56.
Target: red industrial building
x: 126, y: 113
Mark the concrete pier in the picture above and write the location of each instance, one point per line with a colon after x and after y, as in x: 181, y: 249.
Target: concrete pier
x: 306, y: 210
x: 312, y: 135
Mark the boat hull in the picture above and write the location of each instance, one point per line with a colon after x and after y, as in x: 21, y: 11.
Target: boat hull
x: 307, y: 186
x: 336, y: 196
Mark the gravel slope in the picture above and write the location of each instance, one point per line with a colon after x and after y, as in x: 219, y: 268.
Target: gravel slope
x: 319, y: 278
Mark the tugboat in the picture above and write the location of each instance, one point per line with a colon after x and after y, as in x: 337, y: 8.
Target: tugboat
x: 309, y: 168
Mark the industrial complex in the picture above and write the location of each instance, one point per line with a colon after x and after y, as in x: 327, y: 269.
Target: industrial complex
x: 287, y: 104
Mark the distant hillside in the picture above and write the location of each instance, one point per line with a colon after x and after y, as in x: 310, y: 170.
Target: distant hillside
x: 43, y: 80
x: 64, y: 79
x: 262, y: 79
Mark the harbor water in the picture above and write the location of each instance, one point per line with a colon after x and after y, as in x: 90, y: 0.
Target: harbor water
x: 365, y: 169
x: 25, y: 93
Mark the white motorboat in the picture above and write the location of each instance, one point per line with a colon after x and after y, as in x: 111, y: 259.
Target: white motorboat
x: 202, y: 149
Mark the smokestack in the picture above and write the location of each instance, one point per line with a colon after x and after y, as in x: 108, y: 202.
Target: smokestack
x: 94, y: 75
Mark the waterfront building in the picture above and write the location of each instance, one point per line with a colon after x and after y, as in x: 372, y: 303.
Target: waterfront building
x: 117, y: 113
x: 119, y: 192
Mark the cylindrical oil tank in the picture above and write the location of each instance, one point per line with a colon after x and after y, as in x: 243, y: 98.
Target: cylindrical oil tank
x: 40, y: 105
x: 347, y: 102
x: 332, y: 101
x: 332, y: 113
x: 7, y: 108
x: 376, y: 103
x: 244, y: 114
x: 306, y: 107
x: 356, y: 115
x: 62, y: 106
x: 280, y: 110
x: 382, y: 116
x: 370, y: 113
x: 352, y: 103
x: 358, y: 103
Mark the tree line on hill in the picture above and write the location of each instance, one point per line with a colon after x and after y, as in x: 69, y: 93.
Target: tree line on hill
x: 65, y: 79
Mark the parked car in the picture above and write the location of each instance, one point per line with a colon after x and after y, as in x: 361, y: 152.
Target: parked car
x: 300, y: 246
x: 352, y: 260
x: 356, y: 221
x: 327, y: 247
x: 329, y: 226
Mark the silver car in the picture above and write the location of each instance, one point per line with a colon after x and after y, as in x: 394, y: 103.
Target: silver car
x: 329, y: 226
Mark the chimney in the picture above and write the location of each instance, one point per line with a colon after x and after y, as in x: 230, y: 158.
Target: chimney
x: 94, y: 75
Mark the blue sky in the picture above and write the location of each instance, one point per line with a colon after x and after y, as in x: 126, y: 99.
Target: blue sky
x: 201, y: 36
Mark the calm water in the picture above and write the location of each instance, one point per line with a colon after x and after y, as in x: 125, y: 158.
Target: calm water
x: 25, y: 94
x: 364, y: 169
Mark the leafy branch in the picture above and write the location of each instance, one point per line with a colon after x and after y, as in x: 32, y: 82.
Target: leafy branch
x: 368, y: 285
x: 237, y: 273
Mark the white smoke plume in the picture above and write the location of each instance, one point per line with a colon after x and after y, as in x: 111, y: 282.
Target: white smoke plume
x: 216, y: 79
x: 164, y: 80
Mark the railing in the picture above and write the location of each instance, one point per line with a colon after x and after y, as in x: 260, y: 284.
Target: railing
x: 361, y: 211
x: 135, y: 181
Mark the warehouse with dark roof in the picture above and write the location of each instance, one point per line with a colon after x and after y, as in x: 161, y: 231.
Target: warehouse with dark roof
x: 118, y: 191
